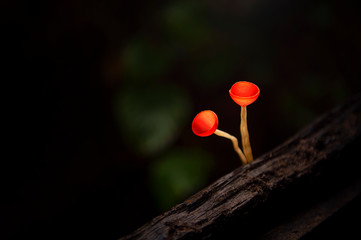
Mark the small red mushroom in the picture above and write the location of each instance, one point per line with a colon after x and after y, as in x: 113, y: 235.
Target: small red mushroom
x: 205, y: 124
x: 244, y: 93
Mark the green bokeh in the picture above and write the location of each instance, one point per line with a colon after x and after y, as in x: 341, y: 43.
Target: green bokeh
x: 143, y: 60
x: 184, y: 24
x: 178, y: 174
x: 151, y: 117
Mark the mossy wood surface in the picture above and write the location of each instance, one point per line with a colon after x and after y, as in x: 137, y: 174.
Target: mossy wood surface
x: 284, y: 194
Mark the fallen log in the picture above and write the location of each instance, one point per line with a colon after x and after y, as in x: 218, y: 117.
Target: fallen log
x: 254, y: 200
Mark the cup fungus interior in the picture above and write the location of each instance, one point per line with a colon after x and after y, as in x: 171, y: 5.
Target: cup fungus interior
x: 244, y: 93
x: 205, y: 123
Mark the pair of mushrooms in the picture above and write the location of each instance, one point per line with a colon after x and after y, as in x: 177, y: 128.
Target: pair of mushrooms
x: 205, y: 123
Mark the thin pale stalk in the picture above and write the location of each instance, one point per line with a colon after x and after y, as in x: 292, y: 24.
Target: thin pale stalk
x: 245, y: 136
x: 235, y: 144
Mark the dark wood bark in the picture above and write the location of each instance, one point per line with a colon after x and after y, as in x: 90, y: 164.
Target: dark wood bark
x: 303, y: 223
x: 283, y: 187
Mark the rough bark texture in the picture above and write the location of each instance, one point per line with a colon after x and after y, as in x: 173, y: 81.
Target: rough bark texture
x: 306, y: 221
x: 293, y: 178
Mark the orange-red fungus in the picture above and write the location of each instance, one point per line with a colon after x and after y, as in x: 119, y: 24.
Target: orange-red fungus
x: 205, y: 123
x: 244, y: 93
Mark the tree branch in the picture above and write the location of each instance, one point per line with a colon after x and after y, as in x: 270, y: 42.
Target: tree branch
x: 244, y: 197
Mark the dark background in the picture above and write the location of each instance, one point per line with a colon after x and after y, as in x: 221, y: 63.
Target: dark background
x: 99, y: 96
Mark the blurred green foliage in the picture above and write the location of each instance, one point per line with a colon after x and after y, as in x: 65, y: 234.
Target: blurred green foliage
x: 151, y: 117
x: 179, y: 173
x: 201, y: 46
x: 184, y: 24
x: 110, y: 89
x: 144, y: 61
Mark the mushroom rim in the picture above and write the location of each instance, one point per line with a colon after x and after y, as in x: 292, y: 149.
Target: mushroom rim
x: 237, y: 96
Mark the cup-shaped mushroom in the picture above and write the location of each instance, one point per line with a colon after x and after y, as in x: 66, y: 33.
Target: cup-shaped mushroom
x: 205, y: 123
x: 244, y: 93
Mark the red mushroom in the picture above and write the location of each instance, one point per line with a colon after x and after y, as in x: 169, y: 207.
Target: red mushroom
x: 244, y: 93
x: 205, y: 124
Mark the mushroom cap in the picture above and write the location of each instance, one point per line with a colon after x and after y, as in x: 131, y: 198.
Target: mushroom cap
x: 244, y: 93
x: 205, y: 123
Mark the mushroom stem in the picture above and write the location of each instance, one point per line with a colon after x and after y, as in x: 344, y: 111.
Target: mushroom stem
x: 245, y: 136
x: 235, y: 144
